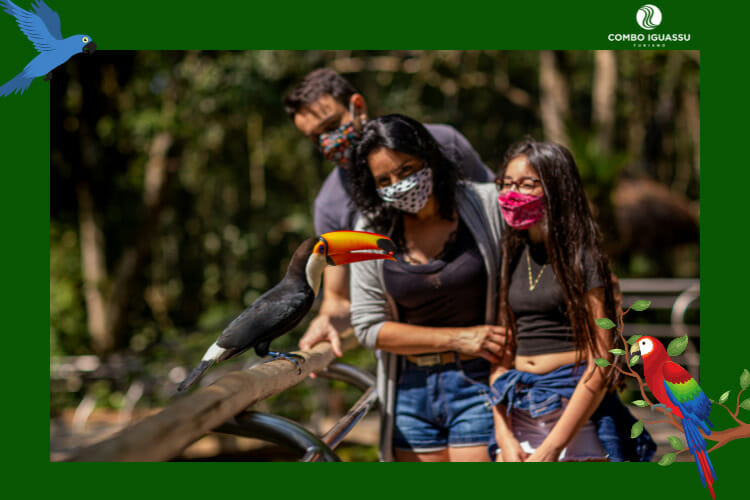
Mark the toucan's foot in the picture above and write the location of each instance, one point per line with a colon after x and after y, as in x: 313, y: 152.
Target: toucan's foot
x: 48, y: 77
x: 287, y: 356
x: 666, y: 408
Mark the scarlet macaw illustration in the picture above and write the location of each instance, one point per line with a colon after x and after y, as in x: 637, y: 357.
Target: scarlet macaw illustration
x: 678, y: 391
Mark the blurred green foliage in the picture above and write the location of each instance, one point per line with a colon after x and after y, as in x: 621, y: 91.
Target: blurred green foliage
x: 237, y: 192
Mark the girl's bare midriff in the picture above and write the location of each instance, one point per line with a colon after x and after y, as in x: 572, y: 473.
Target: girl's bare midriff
x: 544, y: 363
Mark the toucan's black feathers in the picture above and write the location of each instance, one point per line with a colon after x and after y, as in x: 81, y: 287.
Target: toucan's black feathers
x: 282, y: 307
x: 273, y: 314
x: 194, y: 375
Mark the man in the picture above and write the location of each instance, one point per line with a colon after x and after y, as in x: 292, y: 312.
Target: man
x: 327, y: 109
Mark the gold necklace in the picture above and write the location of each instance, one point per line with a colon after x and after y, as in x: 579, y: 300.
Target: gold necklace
x: 533, y: 284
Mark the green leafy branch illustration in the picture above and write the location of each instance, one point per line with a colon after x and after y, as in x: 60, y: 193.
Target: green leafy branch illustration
x: 676, y: 347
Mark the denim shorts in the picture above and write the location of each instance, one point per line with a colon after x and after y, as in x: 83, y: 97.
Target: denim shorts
x: 442, y: 406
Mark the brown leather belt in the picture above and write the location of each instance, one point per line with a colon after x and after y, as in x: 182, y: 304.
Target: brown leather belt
x: 438, y: 358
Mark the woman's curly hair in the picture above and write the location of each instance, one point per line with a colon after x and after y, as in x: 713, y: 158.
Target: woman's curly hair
x: 405, y: 135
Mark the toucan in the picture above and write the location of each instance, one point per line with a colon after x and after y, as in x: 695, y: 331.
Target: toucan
x: 282, y: 307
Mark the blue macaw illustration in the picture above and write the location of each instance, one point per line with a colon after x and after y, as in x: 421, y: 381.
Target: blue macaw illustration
x: 42, y: 28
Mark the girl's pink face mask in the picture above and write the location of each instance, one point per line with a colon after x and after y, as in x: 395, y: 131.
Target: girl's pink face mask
x: 521, y: 211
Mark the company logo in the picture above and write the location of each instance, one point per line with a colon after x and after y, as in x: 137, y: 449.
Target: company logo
x: 648, y: 17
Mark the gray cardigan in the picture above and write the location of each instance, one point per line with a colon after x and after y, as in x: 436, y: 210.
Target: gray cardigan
x: 371, y: 306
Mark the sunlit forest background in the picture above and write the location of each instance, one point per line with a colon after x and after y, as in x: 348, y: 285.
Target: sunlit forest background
x: 180, y: 188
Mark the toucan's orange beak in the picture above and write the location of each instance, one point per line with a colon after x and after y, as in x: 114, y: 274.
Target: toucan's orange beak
x: 345, y: 247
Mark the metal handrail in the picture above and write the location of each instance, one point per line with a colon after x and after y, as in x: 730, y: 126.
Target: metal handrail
x: 352, y: 375
x: 289, y: 434
x: 362, y: 380
x: 656, y: 285
x: 680, y: 307
x: 340, y: 429
x: 281, y: 431
x: 660, y: 291
x: 676, y: 295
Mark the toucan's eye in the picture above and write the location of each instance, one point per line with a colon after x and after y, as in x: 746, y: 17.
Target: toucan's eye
x: 320, y: 248
x: 85, y: 39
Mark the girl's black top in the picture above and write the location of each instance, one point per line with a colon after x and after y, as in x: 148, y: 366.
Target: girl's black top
x: 541, y: 314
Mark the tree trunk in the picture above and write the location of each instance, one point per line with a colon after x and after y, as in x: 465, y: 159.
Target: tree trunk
x: 665, y: 113
x: 554, y: 98
x: 635, y: 106
x: 154, y: 189
x: 257, y: 161
x: 94, y: 270
x: 603, y: 99
x: 690, y: 152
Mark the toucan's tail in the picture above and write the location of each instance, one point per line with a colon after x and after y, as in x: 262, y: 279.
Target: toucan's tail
x: 195, y: 375
x: 208, y: 359
x: 18, y: 84
x: 697, y: 446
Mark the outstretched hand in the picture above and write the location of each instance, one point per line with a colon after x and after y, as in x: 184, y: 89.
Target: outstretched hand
x: 323, y: 328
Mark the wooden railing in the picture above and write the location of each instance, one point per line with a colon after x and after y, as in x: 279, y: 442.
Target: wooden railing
x: 164, y: 435
x: 222, y: 406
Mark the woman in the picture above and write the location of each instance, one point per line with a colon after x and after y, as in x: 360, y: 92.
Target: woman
x: 555, y: 281
x: 429, y: 313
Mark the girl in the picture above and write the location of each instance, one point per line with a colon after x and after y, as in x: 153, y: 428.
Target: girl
x: 555, y: 281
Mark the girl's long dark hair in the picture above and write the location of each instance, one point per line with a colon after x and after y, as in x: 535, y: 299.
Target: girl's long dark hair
x: 570, y: 235
x: 405, y: 135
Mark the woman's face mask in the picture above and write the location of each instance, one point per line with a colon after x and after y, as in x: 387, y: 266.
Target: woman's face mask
x: 521, y: 211
x: 409, y: 194
x: 336, y: 145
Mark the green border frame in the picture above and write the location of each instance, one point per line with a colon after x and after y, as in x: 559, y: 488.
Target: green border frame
x: 169, y: 24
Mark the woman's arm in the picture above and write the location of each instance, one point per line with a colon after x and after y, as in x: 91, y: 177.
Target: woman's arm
x: 588, y: 393
x: 372, y: 319
x: 486, y: 341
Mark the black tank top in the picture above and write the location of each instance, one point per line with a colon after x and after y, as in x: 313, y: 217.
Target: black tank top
x: 541, y: 314
x: 448, y: 291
